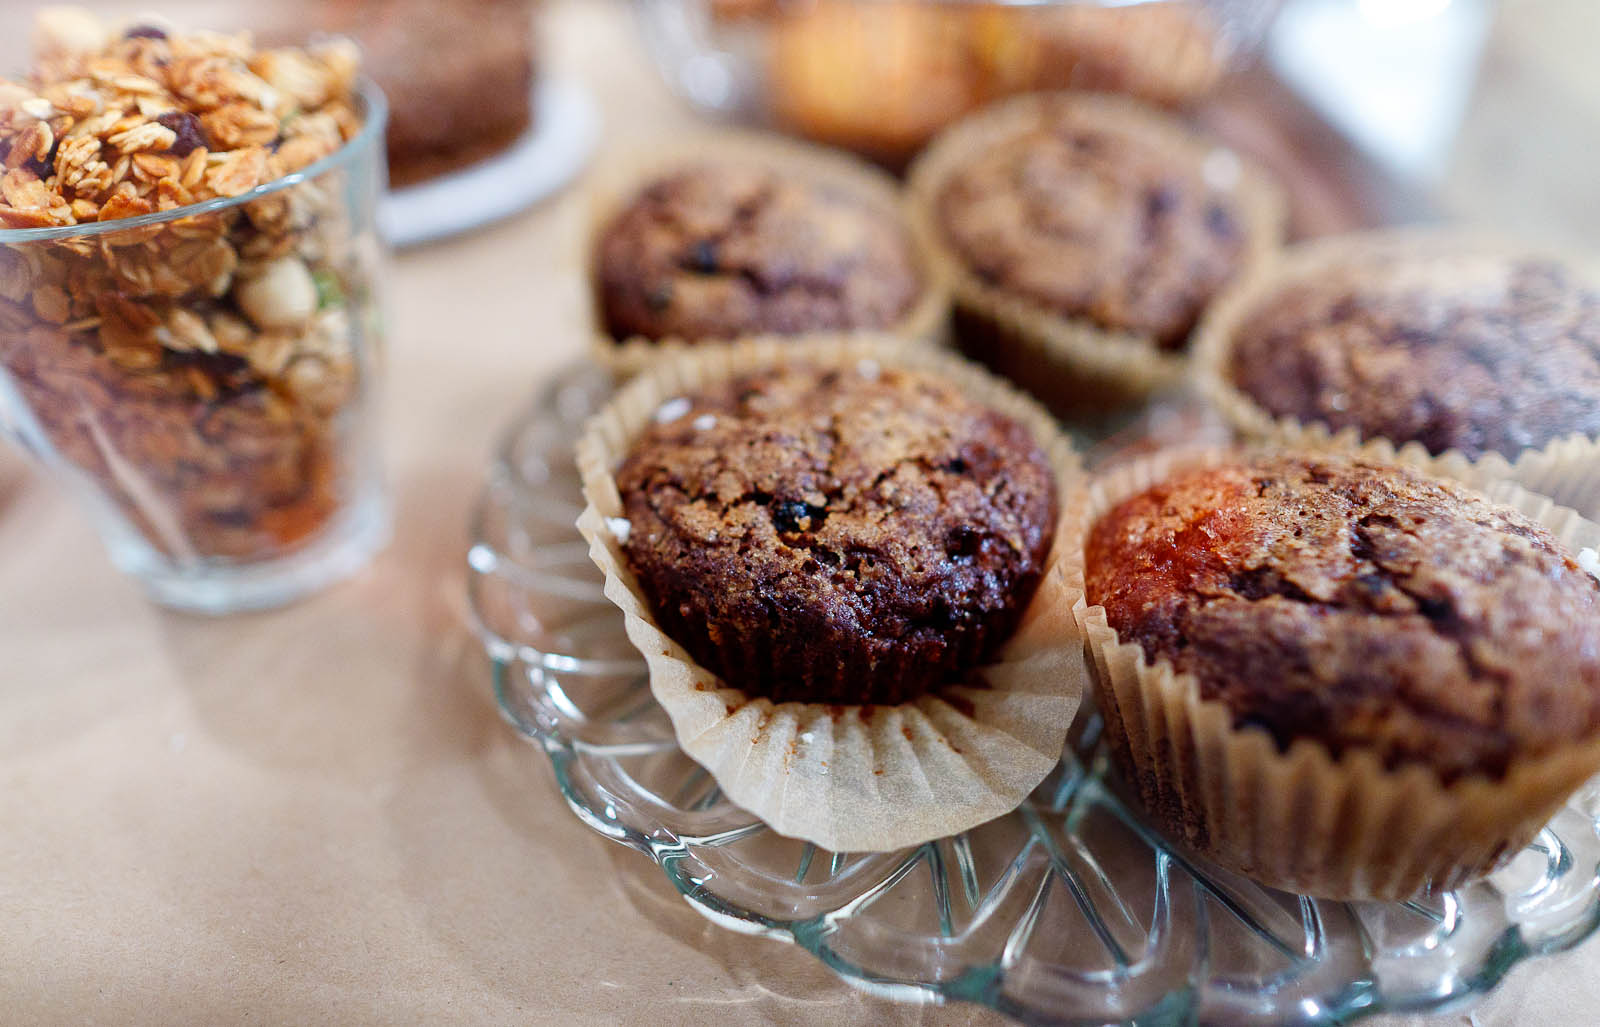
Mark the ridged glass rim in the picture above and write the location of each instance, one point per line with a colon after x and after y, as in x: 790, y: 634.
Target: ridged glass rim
x: 375, y: 117
x: 980, y: 985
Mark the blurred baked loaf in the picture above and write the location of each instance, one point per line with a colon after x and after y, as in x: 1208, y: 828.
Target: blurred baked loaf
x: 458, y: 75
x: 881, y: 78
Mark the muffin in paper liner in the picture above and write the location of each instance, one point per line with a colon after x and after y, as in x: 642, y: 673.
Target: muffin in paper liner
x: 925, y: 320
x: 1302, y: 820
x: 1567, y: 468
x: 857, y: 778
x: 1074, y: 364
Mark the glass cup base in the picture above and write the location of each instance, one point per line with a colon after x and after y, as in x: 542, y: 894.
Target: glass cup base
x: 348, y: 544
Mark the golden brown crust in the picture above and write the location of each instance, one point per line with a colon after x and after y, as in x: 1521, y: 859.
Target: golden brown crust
x: 1361, y: 605
x: 882, y: 78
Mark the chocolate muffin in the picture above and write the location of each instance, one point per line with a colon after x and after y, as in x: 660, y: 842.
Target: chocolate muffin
x: 1471, y: 352
x: 1088, y: 220
x: 1364, y: 606
x: 850, y: 535
x: 1080, y: 235
x: 723, y: 250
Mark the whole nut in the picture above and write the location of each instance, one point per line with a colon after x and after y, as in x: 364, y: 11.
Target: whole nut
x: 281, y: 294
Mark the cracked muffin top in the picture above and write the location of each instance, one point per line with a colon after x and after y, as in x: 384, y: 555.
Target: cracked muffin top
x: 1361, y: 605
x: 1091, y: 220
x: 1460, y: 351
x: 844, y: 535
x: 720, y: 251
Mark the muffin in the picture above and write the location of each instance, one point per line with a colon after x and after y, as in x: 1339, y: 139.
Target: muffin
x: 1339, y: 675
x: 754, y: 238
x: 721, y: 251
x: 819, y: 534
x: 882, y: 78
x: 1460, y: 345
x: 879, y: 78
x: 1170, y: 53
x: 841, y: 559
x: 1082, y: 236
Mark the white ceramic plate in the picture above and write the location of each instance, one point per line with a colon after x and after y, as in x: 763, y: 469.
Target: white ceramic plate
x: 566, y: 126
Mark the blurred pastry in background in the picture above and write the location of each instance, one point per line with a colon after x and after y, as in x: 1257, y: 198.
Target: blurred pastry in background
x: 1166, y: 53
x: 877, y: 78
x: 1082, y: 235
x: 721, y: 251
x: 882, y: 78
x: 1469, y: 345
x: 459, y: 76
x: 742, y: 10
x: 729, y: 235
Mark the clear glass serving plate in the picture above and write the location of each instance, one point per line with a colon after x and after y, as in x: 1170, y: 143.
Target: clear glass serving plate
x: 1069, y: 910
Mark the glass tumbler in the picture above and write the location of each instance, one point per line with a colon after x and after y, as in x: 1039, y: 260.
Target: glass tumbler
x: 206, y: 378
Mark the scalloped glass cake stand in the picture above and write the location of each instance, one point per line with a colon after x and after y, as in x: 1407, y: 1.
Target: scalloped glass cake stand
x: 1069, y: 910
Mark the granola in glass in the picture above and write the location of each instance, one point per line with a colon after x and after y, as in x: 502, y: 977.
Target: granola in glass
x: 201, y: 369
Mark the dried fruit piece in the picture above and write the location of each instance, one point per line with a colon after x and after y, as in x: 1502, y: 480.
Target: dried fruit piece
x: 187, y: 133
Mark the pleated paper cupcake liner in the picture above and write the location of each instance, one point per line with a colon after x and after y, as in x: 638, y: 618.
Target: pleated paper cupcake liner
x: 1300, y: 819
x: 856, y: 778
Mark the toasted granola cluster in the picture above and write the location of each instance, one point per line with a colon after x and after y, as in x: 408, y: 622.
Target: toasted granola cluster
x: 198, y: 368
x: 113, y: 125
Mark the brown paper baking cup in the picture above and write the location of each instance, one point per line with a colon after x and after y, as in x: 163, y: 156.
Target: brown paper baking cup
x: 856, y: 778
x: 1300, y: 819
x: 1566, y: 469
x: 926, y: 320
x: 1072, y: 363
